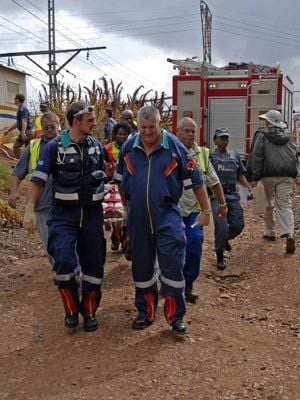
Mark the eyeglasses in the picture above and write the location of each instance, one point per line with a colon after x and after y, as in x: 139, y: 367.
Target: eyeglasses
x: 86, y: 110
x: 52, y: 127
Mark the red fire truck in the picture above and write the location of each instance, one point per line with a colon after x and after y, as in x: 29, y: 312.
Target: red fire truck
x: 229, y: 97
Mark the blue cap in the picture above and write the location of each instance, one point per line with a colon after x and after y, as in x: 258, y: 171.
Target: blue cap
x: 221, y: 132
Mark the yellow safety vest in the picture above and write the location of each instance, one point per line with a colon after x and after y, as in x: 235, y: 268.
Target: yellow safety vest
x: 34, y: 151
x: 202, y: 154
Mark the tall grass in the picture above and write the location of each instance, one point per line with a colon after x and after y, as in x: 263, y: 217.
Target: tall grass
x: 4, y: 177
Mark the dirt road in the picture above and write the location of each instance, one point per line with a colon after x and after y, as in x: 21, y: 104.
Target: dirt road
x: 243, y: 341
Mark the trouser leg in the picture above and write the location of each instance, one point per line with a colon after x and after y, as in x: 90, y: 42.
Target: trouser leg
x: 171, y: 243
x: 221, y: 228
x: 235, y: 218
x: 91, y: 249
x: 41, y: 224
x: 283, y: 205
x: 270, y: 228
x: 17, y: 146
x: 194, y: 241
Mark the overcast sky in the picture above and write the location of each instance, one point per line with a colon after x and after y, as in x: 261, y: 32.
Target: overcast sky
x: 140, y: 35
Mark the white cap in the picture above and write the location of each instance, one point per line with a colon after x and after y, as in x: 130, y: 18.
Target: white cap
x: 274, y: 117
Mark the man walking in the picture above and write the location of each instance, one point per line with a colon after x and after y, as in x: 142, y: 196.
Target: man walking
x: 75, y: 221
x: 152, y: 169
x: 273, y: 160
x: 190, y: 208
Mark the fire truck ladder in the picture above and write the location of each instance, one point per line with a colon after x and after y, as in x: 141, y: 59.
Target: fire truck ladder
x: 189, y: 65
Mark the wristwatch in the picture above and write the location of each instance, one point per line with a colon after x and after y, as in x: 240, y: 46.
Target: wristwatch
x: 224, y: 205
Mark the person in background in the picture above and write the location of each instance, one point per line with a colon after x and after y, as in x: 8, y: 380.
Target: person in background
x: 230, y: 171
x: 274, y: 161
x: 128, y: 117
x: 153, y: 167
x: 190, y: 208
x: 120, y: 133
x: 25, y: 167
x: 109, y: 123
x: 23, y: 123
x: 38, y: 130
x: 75, y: 222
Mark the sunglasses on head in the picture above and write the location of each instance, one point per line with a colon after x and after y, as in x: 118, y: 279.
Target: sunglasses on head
x: 86, y: 110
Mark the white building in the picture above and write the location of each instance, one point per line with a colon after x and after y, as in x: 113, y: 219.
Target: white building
x: 12, y: 81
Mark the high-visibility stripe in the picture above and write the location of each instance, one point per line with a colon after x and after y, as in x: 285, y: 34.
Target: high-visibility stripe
x: 170, y: 282
x: 63, y: 277
x: 67, y: 150
x: 187, y: 182
x: 66, y: 196
x: 117, y: 176
x: 98, y: 196
x: 40, y: 175
x: 144, y: 285
x: 91, y: 279
x: 92, y: 150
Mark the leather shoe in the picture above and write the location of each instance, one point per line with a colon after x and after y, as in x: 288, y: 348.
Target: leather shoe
x: 290, y: 244
x: 71, y: 321
x: 190, y: 296
x: 140, y: 323
x: 90, y: 324
x: 179, y: 328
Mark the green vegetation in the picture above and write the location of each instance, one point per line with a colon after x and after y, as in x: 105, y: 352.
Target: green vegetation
x: 4, y: 177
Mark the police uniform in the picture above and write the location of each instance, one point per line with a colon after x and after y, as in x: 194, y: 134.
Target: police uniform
x: 76, y: 219
x: 228, y: 167
x: 153, y: 185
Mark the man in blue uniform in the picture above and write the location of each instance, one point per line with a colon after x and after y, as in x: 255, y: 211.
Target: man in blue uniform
x: 75, y: 221
x: 152, y: 169
x: 230, y: 171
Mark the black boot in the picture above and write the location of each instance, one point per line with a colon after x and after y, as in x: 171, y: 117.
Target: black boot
x: 190, y: 296
x: 221, y: 262
x: 179, y: 328
x: 140, y: 323
x: 89, y: 303
x: 71, y: 321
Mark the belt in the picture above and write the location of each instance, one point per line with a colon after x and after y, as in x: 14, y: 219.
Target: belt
x: 227, y: 189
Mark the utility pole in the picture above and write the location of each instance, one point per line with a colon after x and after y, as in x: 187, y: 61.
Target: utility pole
x: 206, y: 20
x: 51, y: 44
x: 52, y: 70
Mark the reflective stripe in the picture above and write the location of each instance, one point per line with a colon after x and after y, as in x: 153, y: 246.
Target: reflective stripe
x: 144, y: 285
x: 91, y: 279
x: 66, y: 196
x: 187, y: 182
x: 67, y: 150
x: 117, y: 176
x: 63, y: 278
x: 92, y: 150
x: 98, y: 196
x: 40, y: 175
x: 170, y: 282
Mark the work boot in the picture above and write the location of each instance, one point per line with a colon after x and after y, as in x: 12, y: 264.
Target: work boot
x: 90, y: 324
x: 228, y: 246
x: 140, y: 323
x: 290, y: 244
x: 71, y: 321
x: 221, y: 262
x: 269, y: 238
x: 179, y: 328
x: 190, y: 296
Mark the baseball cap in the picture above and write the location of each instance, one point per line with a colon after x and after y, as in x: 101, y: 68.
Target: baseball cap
x: 221, y: 132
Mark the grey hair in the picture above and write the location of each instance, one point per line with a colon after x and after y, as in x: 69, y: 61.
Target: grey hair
x: 185, y: 120
x: 127, y: 112
x: 147, y: 112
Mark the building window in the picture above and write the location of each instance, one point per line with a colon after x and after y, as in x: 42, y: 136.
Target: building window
x: 12, y: 89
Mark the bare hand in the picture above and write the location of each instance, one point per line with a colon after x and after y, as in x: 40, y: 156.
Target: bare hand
x: 253, y: 184
x: 222, y: 211
x: 12, y: 199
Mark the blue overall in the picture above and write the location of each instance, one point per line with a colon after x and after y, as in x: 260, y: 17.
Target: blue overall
x: 228, y: 167
x: 75, y: 219
x: 194, y: 242
x: 153, y: 186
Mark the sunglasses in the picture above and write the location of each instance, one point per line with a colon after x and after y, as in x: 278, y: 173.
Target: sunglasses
x: 86, y: 110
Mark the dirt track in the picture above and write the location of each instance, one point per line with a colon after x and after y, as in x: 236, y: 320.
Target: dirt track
x: 243, y: 341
